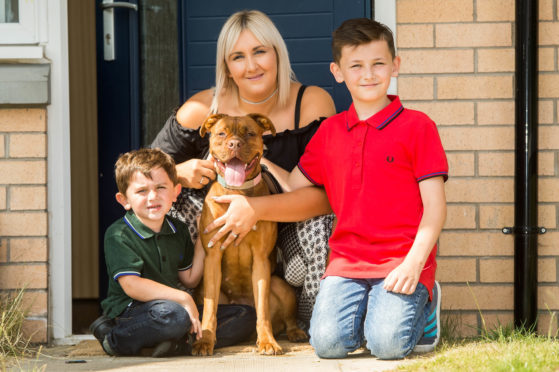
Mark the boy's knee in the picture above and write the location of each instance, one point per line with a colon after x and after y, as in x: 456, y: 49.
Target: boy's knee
x: 168, y: 314
x: 388, y: 343
x: 327, y: 342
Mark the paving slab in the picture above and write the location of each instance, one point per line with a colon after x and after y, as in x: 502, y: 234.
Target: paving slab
x: 88, y: 356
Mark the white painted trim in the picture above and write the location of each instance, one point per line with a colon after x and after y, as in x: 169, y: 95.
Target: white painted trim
x: 385, y: 12
x: 26, y: 31
x: 59, y: 209
x: 21, y: 52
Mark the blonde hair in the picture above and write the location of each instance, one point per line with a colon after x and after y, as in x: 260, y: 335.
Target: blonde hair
x: 143, y: 161
x: 266, y: 32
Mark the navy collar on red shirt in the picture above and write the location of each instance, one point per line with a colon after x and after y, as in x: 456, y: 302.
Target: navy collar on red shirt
x: 379, y: 120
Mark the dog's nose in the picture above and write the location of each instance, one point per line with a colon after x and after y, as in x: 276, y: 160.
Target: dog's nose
x: 234, y: 144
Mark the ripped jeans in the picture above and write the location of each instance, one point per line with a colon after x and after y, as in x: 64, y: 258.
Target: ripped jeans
x: 146, y: 324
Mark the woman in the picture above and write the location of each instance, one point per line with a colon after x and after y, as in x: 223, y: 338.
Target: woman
x: 253, y: 74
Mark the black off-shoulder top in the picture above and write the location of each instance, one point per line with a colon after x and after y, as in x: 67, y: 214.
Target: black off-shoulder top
x: 284, y: 149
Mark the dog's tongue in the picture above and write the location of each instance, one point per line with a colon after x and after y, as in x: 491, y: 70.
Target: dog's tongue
x: 235, y: 172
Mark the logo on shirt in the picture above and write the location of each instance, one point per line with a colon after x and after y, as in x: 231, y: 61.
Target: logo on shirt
x: 390, y: 158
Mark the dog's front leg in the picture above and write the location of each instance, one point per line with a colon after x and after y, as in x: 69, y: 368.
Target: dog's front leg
x: 261, y: 275
x: 212, y: 283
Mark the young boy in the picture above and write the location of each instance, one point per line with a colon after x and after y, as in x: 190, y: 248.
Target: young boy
x: 147, y: 254
x: 383, y: 170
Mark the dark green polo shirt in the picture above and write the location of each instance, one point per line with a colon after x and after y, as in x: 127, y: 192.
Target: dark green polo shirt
x: 131, y: 248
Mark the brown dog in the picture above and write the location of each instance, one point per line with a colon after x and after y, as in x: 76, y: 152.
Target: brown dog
x: 243, y: 274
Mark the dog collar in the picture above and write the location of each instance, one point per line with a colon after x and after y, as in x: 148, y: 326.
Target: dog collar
x: 247, y: 185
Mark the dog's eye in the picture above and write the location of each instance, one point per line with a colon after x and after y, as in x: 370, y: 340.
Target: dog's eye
x: 251, y: 134
x: 221, y: 134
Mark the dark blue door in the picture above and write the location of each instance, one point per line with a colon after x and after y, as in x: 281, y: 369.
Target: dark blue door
x: 306, y: 26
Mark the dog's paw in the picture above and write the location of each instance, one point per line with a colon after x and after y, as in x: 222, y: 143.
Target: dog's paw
x: 201, y: 348
x: 269, y: 348
x: 297, y: 335
x: 204, y: 346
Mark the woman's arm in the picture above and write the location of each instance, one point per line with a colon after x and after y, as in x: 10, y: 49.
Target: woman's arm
x: 179, y: 138
x: 316, y: 103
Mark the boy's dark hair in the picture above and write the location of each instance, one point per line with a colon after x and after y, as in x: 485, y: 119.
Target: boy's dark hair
x: 144, y: 161
x: 358, y: 31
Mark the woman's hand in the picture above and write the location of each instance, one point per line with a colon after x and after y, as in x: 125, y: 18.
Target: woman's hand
x: 239, y: 219
x: 196, y: 173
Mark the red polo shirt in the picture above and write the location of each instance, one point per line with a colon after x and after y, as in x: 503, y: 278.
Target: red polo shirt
x: 371, y: 172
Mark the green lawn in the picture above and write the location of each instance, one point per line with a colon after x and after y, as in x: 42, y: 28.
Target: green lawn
x: 503, y: 349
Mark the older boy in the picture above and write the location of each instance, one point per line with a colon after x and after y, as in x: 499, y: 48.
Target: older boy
x: 383, y: 169
x: 147, y: 254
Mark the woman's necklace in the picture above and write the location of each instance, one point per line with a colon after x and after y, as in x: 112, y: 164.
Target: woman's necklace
x: 259, y: 102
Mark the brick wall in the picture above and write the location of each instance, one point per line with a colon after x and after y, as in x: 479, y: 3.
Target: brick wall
x: 23, y: 213
x: 458, y: 67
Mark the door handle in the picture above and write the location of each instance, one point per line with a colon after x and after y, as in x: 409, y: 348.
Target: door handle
x: 108, y: 7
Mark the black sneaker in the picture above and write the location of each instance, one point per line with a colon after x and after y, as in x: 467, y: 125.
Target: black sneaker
x: 101, y: 327
x: 172, y: 348
x: 107, y: 348
x: 432, y: 330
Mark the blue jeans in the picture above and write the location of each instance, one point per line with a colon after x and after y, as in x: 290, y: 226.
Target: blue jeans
x: 348, y: 312
x: 146, y: 324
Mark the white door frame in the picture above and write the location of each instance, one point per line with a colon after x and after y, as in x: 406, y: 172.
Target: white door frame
x: 58, y: 174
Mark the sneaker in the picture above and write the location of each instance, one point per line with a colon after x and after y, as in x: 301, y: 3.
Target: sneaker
x: 101, y: 327
x: 172, y: 348
x: 107, y: 348
x: 432, y: 330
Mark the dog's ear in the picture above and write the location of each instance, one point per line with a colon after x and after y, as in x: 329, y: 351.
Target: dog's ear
x: 263, y: 122
x: 210, y: 121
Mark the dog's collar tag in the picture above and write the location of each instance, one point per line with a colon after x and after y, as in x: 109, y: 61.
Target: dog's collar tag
x: 247, y: 185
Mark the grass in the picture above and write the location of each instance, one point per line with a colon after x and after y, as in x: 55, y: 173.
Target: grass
x: 14, y: 345
x: 501, y: 349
